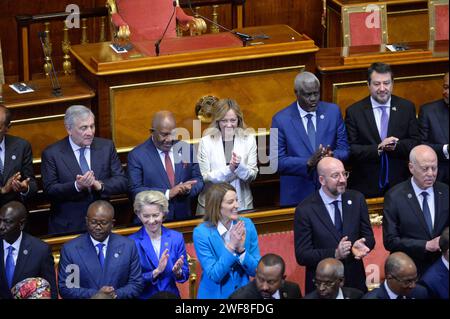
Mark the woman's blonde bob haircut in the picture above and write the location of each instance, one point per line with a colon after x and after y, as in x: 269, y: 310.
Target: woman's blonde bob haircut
x: 213, y: 201
x: 221, y: 108
x: 150, y: 198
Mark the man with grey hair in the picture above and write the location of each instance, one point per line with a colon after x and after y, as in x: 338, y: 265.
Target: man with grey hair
x: 416, y: 211
x: 78, y: 170
x: 303, y: 131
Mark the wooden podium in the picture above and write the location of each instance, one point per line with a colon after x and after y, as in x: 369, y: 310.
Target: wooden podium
x: 131, y: 86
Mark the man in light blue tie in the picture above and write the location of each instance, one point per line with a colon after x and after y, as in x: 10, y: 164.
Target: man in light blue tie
x: 417, y: 210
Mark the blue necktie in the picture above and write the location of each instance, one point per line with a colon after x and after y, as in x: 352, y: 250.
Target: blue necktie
x: 311, y: 131
x: 83, y: 163
x: 101, y: 257
x: 426, y: 212
x: 9, y: 266
x: 337, y: 217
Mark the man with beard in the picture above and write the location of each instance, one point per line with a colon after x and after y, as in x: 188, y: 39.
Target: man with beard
x: 382, y: 129
x: 167, y: 166
x: 333, y: 222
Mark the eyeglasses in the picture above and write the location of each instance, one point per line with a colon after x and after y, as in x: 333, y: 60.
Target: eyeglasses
x: 103, y: 223
x: 327, y: 284
x: 346, y: 174
x: 406, y: 282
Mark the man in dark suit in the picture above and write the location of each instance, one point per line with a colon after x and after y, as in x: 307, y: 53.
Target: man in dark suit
x: 333, y: 222
x: 433, y: 127
x: 16, y: 164
x: 269, y: 282
x: 167, y: 166
x: 416, y: 211
x: 435, y: 278
x: 21, y: 255
x: 100, y: 261
x: 329, y: 282
x: 382, y: 129
x: 300, y: 131
x: 78, y: 170
x: 400, y: 282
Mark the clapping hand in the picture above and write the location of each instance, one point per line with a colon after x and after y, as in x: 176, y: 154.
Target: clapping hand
x: 177, y: 268
x: 359, y: 249
x: 161, y: 264
x: 235, y: 161
x: 237, y: 236
x: 343, y: 248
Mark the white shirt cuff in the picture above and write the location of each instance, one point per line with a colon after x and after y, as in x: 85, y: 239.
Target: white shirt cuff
x: 445, y: 150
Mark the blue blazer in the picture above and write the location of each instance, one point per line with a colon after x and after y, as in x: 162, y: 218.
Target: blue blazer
x: 418, y: 292
x: 222, y: 272
x: 59, y: 170
x: 294, y: 149
x: 146, y: 172
x: 435, y: 280
x: 35, y: 259
x: 122, y: 269
x: 174, y: 242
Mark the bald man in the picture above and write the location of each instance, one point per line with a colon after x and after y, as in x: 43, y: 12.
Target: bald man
x: 333, y: 222
x: 416, y: 211
x: 400, y: 282
x: 164, y: 164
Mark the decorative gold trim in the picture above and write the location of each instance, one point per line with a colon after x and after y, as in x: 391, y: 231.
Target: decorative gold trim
x: 391, y: 13
x: 38, y: 119
x: 432, y: 16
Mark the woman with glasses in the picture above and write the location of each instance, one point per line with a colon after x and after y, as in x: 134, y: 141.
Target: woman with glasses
x: 161, y: 250
x: 227, y: 153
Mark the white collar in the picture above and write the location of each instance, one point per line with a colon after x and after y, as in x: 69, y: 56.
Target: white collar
x: 418, y: 191
x: 2, y: 143
x: 95, y: 242
x: 340, y: 294
x: 392, y: 295
x: 445, y: 261
x: 303, y: 113
x: 222, y: 229
x: 375, y: 104
x: 74, y: 146
x: 327, y: 199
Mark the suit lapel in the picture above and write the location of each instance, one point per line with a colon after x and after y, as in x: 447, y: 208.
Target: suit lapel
x: 22, y: 257
x: 69, y: 159
x: 178, y: 164
x: 395, y: 115
x: 113, y: 257
x: 165, y: 244
x: 321, y: 121
x: 146, y: 244
x: 10, y: 157
x: 441, y: 117
x: 411, y: 198
x: 439, y: 217
x: 3, y: 285
x: 370, y: 120
x: 153, y: 157
x: 96, y: 155
x: 347, y: 214
x: 88, y: 256
x: 322, y: 214
x: 299, y: 128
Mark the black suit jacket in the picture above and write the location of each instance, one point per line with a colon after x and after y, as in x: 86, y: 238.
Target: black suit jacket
x: 433, y: 127
x: 363, y: 137
x: 316, y: 237
x: 35, y: 259
x: 349, y: 293
x: 18, y: 158
x: 288, y: 290
x: 418, y: 292
x: 404, y: 226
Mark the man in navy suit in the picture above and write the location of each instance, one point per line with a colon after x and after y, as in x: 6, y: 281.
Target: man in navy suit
x: 400, y: 282
x: 16, y: 164
x: 21, y: 255
x: 416, y: 211
x: 433, y: 127
x: 100, y: 261
x: 306, y: 127
x: 333, y: 222
x: 435, y: 278
x: 161, y: 164
x: 78, y: 170
x: 382, y: 129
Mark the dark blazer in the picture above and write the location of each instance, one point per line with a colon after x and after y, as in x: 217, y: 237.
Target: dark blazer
x: 363, y: 137
x: 35, y: 259
x: 18, y: 158
x: 293, y: 148
x: 404, y: 226
x: 167, y: 281
x: 288, y: 290
x: 435, y: 280
x: 418, y: 292
x: 59, y: 170
x: 433, y: 127
x: 122, y: 269
x: 349, y: 293
x: 146, y: 172
x: 316, y: 237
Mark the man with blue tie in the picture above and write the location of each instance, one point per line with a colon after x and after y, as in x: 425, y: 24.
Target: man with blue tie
x: 100, y: 261
x: 416, y: 211
x: 333, y: 222
x: 21, y: 255
x: 78, y: 170
x: 304, y: 130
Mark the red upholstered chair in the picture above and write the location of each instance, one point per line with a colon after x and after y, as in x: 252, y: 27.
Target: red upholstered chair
x: 438, y: 18
x: 146, y: 19
x: 364, y: 24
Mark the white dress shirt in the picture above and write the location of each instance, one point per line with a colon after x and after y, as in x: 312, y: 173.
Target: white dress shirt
x: 15, y: 252
x: 377, y: 111
x: 303, y: 114
x: 105, y: 247
x: 430, y: 198
x: 328, y: 201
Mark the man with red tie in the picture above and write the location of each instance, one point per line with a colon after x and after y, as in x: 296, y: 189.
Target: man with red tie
x: 166, y: 165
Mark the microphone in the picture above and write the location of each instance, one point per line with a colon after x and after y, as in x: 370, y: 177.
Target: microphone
x: 157, y: 43
x: 56, y: 88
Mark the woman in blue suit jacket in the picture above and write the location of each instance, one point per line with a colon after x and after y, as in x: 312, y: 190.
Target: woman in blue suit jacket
x: 226, y: 245
x: 161, y: 250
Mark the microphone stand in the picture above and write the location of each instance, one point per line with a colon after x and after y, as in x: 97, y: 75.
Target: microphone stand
x: 56, y: 88
x: 157, y: 43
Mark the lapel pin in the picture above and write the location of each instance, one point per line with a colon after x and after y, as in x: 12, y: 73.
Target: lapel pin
x: 349, y: 202
x: 25, y: 252
x: 166, y: 244
x: 285, y: 295
x: 394, y: 108
x: 13, y: 157
x: 322, y: 116
x: 116, y: 255
x: 409, y: 196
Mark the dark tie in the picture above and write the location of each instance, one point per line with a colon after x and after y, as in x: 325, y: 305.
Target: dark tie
x: 384, y: 122
x: 169, y: 169
x: 9, y: 266
x: 311, y: 131
x: 101, y: 257
x: 426, y: 212
x: 337, y: 217
x: 83, y: 163
x: 1, y: 168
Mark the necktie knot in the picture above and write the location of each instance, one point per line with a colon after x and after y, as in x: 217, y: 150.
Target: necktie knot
x: 424, y: 194
x: 10, y: 249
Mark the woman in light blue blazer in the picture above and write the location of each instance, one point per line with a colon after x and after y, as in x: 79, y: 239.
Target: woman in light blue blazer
x: 162, y: 252
x: 226, y: 245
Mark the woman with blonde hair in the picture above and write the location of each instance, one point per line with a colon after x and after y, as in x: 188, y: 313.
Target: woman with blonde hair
x: 227, y: 153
